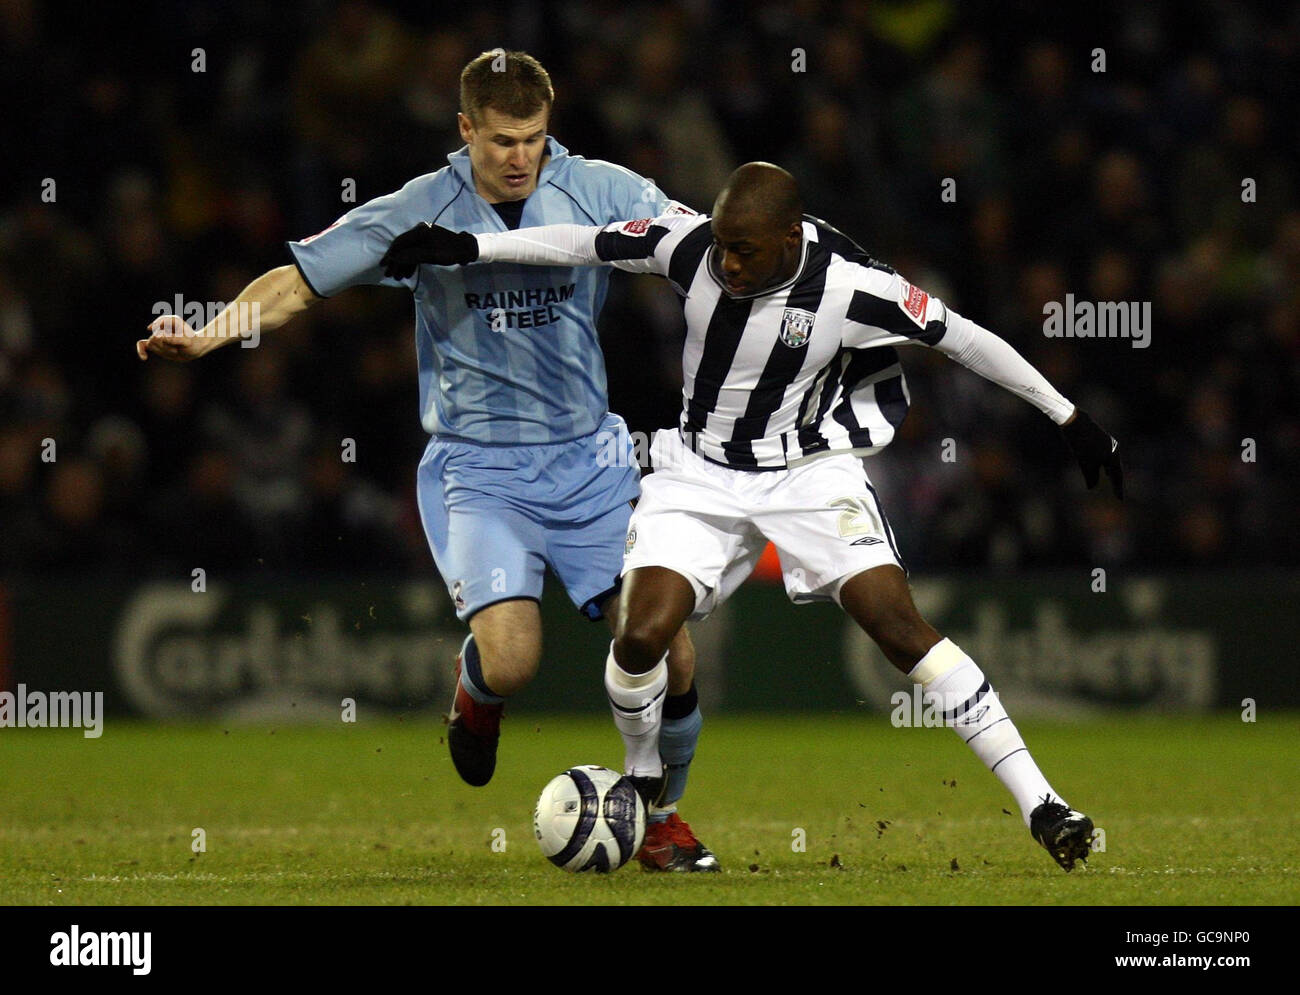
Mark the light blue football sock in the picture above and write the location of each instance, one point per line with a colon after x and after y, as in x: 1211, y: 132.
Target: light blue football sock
x: 677, y: 741
x: 471, y: 674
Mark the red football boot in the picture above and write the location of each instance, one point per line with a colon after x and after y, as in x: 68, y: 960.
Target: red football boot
x: 671, y: 846
x: 473, y: 731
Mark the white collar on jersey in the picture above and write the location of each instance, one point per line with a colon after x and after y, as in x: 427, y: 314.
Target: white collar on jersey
x: 712, y: 267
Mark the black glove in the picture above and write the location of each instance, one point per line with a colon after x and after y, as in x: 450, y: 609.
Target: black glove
x: 1094, y: 449
x: 426, y: 243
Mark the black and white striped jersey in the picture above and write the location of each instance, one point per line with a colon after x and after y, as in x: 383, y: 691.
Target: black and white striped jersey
x: 795, y: 371
x: 780, y: 376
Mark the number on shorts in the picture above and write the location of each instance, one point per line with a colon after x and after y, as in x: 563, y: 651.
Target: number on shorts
x: 857, y: 518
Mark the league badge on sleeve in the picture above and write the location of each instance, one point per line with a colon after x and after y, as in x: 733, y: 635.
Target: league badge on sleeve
x: 796, y: 326
x: 914, y: 302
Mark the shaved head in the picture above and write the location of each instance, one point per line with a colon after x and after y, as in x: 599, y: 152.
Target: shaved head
x: 762, y: 193
x: 757, y: 228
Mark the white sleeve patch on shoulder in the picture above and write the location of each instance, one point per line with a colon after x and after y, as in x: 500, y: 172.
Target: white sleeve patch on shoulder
x: 913, y: 301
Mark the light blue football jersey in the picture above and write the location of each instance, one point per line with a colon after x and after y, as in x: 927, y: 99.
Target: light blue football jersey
x: 507, y: 354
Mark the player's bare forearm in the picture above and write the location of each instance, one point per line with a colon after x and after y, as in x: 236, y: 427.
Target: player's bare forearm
x: 264, y: 305
x: 283, y: 293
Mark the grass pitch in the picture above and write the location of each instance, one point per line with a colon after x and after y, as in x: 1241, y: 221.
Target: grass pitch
x: 1195, y: 811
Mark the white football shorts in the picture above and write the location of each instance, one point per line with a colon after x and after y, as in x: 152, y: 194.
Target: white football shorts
x: 711, y: 523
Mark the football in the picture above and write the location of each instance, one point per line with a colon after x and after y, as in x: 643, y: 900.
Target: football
x: 589, y: 818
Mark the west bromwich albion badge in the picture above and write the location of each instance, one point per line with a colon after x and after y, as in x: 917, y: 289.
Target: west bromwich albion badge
x: 796, y: 326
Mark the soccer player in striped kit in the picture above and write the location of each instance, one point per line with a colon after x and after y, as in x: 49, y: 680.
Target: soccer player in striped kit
x: 513, y: 395
x: 790, y: 378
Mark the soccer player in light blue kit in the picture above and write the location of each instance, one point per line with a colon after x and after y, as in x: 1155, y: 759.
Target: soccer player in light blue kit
x: 516, y: 475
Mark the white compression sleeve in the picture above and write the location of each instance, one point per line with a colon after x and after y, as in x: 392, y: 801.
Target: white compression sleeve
x: 993, y: 358
x: 552, y: 245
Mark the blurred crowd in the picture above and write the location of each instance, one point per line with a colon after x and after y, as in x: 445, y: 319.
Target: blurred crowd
x: 174, y: 150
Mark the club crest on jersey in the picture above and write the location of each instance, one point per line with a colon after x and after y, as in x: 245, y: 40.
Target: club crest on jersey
x: 796, y: 326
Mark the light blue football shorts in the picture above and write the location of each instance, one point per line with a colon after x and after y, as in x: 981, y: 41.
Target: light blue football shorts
x: 497, y: 516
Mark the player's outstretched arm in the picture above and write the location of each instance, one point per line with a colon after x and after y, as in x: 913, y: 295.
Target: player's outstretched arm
x: 1095, y: 449
x: 264, y: 305
x: 550, y: 245
x: 993, y: 358
x: 641, y: 245
x: 427, y: 244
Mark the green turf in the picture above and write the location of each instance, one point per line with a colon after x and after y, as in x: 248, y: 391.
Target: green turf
x: 1198, y: 811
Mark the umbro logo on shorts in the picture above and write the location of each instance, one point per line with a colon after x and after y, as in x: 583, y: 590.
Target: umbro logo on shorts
x: 866, y: 541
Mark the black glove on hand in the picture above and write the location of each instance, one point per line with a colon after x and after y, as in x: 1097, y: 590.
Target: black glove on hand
x: 426, y: 243
x: 1094, y: 449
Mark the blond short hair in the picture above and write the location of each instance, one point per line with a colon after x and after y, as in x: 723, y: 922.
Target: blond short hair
x: 511, y: 83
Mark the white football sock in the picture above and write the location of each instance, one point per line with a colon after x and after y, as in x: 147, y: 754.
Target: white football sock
x: 954, y: 683
x: 637, y: 701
